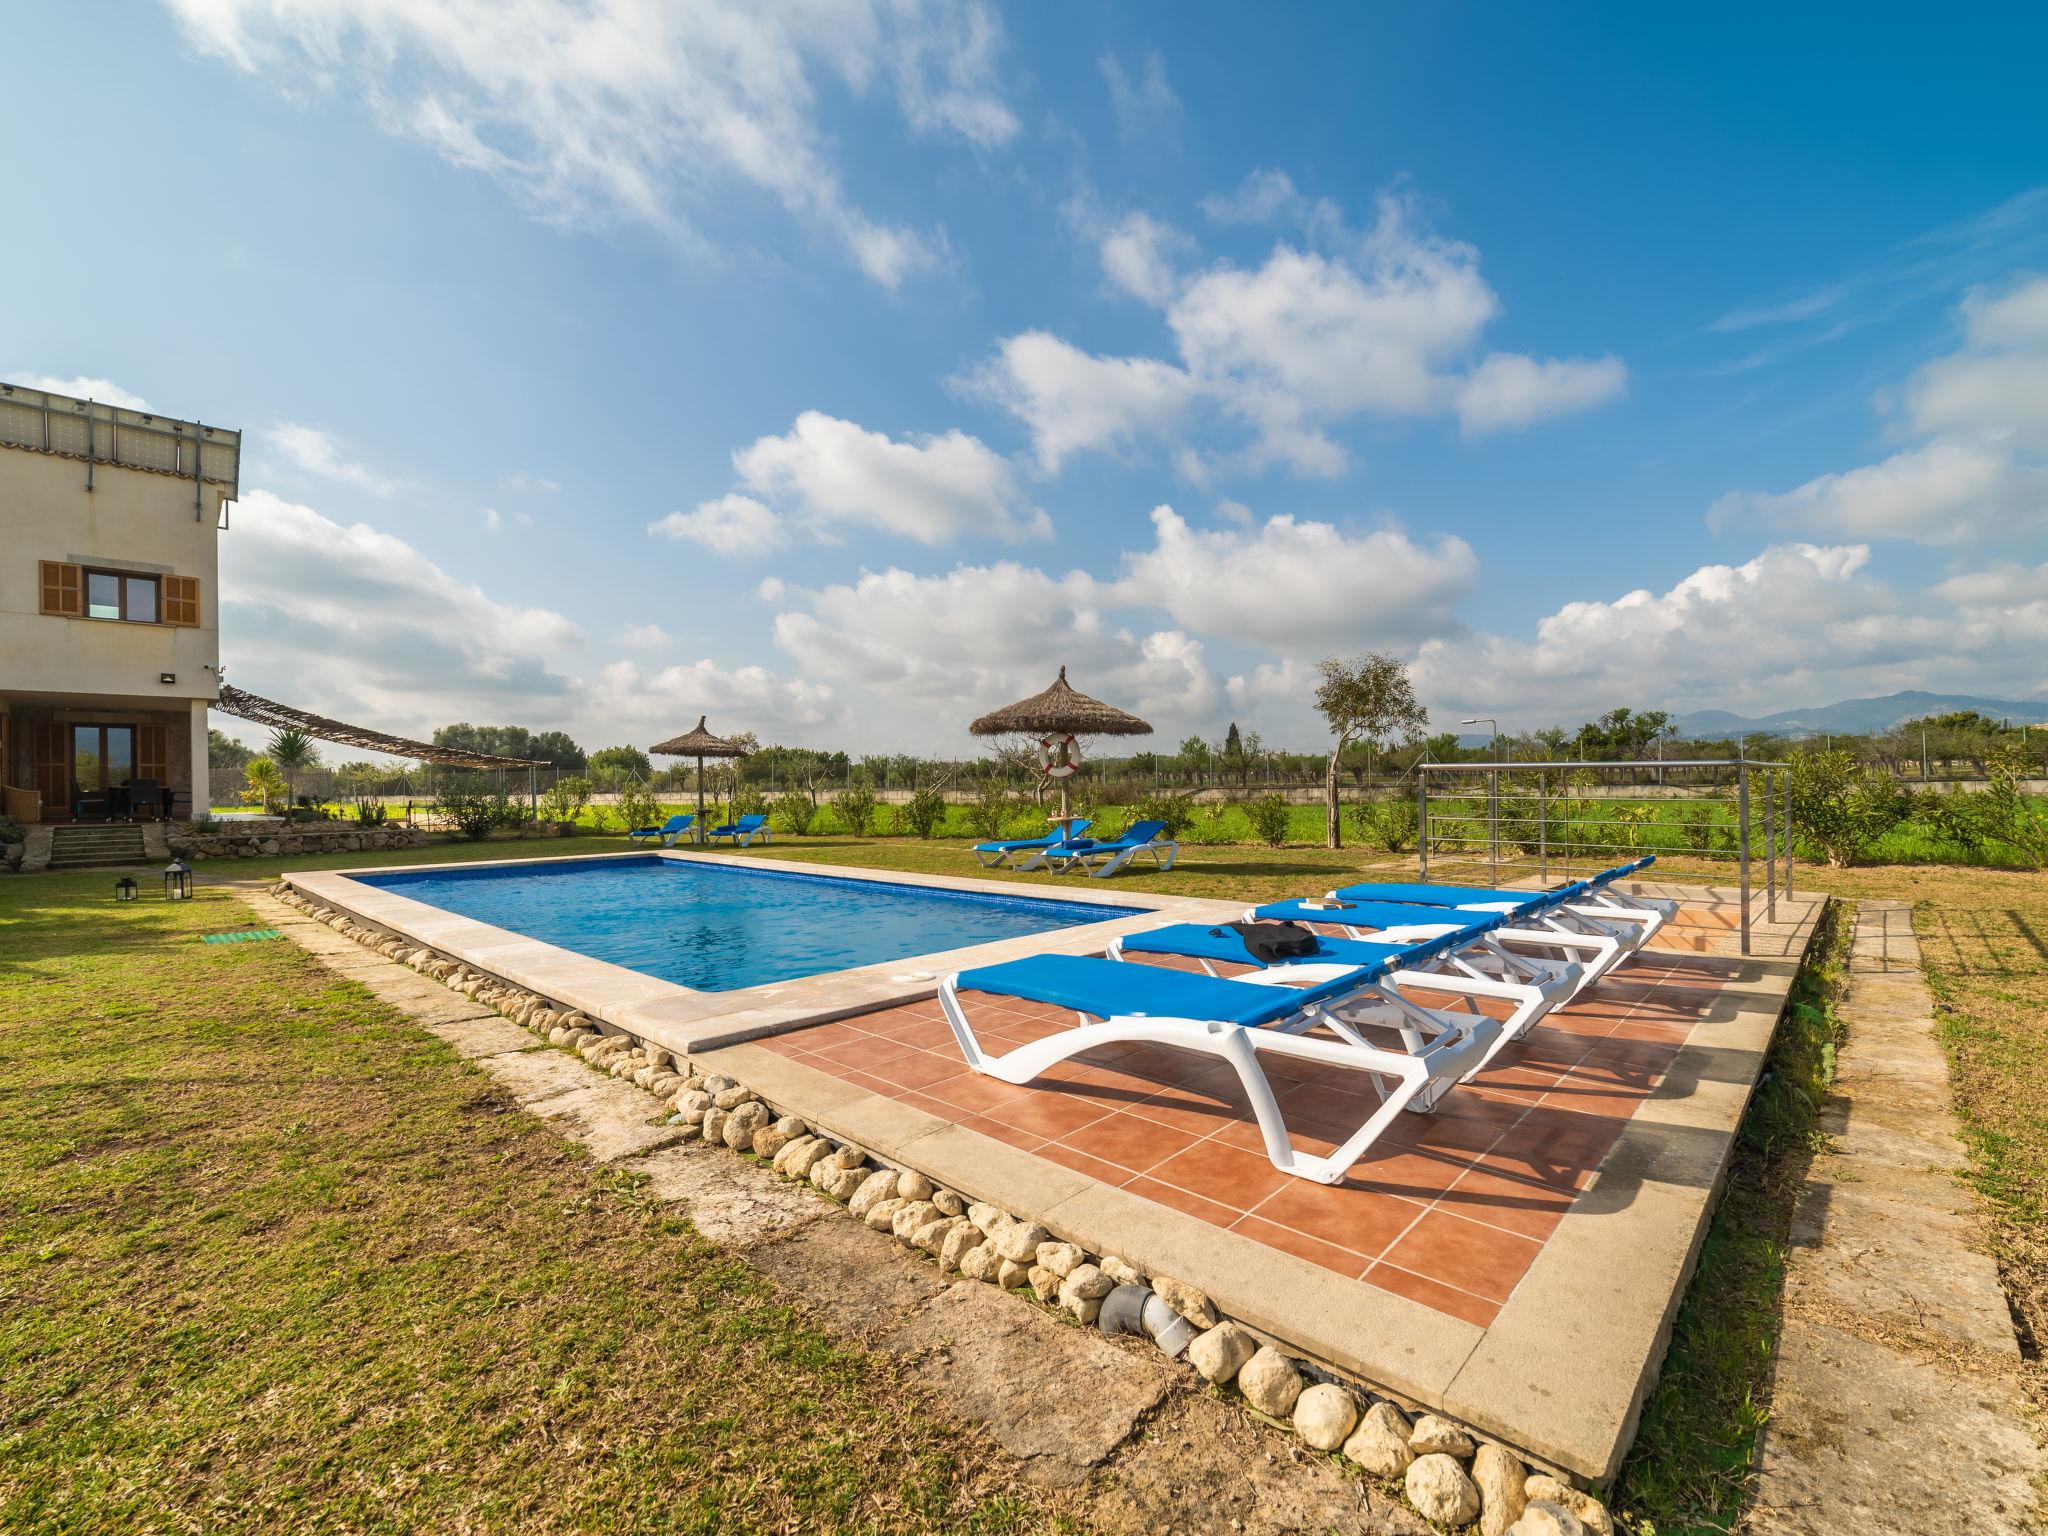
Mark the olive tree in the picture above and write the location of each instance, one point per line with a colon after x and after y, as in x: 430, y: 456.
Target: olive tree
x: 1368, y: 698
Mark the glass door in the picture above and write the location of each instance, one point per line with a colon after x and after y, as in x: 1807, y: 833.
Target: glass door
x: 102, y: 757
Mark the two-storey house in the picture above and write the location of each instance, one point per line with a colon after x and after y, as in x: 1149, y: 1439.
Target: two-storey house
x: 109, y: 605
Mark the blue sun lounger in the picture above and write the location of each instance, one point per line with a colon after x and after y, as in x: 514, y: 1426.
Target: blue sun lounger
x: 668, y: 831
x: 1538, y: 921
x: 995, y: 855
x: 1234, y: 1020
x: 1629, y: 919
x: 1460, y: 959
x: 1110, y: 854
x: 743, y: 831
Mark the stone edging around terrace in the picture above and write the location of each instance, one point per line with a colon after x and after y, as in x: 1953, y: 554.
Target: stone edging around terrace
x: 1451, y: 1474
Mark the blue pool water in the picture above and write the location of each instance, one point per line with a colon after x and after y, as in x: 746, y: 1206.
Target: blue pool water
x: 716, y: 928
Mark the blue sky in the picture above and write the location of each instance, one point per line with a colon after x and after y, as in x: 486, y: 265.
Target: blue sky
x: 842, y: 369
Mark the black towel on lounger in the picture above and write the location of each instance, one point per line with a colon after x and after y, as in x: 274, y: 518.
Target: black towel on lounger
x: 1267, y: 942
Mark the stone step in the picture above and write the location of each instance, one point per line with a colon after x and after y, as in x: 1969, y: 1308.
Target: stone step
x: 60, y: 862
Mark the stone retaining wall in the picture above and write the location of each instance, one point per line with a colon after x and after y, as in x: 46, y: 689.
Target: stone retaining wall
x: 1450, y: 1473
x: 191, y: 844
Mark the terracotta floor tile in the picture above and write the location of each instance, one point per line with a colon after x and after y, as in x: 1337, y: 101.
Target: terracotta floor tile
x: 1008, y: 1135
x: 861, y: 1055
x: 1311, y: 1137
x: 1526, y: 1207
x: 818, y: 1036
x: 1468, y: 1254
x: 1081, y: 1162
x: 977, y: 1093
x: 1302, y: 1246
x: 1193, y: 1112
x: 1223, y: 1174
x: 1183, y: 1201
x: 919, y: 1069
x: 1476, y: 1310
x: 1129, y: 1141
x: 1362, y: 1220
x: 1049, y: 1114
x: 926, y: 1035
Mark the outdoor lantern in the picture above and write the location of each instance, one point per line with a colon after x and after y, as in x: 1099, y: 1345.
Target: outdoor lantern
x: 177, y: 880
x: 124, y: 888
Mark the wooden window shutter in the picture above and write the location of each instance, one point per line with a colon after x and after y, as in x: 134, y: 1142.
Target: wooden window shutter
x: 53, y: 766
x: 153, y: 753
x: 63, y: 589
x: 181, y: 600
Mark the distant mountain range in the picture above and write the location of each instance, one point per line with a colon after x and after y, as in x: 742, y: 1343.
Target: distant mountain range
x: 1857, y: 717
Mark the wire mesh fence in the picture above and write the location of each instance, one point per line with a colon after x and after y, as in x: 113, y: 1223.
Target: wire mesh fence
x: 1506, y: 821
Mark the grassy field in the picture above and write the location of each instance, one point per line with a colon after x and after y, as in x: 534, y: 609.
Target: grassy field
x: 272, y: 1260
x: 127, y: 1236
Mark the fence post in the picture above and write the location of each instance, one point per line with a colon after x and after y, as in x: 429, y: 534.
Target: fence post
x: 1742, y: 843
x: 1542, y: 827
x: 1493, y: 824
x: 1788, y: 834
x: 1422, y: 816
x: 1770, y: 853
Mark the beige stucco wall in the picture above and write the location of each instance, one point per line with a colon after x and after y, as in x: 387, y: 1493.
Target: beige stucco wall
x: 130, y: 520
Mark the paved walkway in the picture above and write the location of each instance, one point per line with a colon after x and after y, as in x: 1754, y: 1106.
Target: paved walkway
x: 1133, y: 1441
x: 1897, y: 1405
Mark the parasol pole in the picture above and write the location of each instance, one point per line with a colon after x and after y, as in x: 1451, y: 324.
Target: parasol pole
x: 700, y: 789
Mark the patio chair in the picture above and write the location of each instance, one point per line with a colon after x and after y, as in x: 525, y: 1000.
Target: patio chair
x: 1235, y: 1021
x: 1460, y: 960
x: 743, y: 831
x: 668, y: 831
x: 996, y: 855
x: 1111, y: 853
x: 145, y: 794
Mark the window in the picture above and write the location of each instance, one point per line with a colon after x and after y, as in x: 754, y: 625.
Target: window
x: 117, y: 595
x: 74, y: 592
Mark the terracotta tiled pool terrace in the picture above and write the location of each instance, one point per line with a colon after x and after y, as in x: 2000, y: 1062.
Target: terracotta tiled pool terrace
x: 1449, y: 1209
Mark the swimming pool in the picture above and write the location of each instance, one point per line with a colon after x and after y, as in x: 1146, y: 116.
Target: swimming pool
x: 721, y: 927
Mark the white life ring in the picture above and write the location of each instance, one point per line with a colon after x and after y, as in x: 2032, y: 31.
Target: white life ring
x: 1059, y: 757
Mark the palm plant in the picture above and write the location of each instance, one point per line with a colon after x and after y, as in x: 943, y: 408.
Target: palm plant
x: 265, y: 783
x: 292, y: 750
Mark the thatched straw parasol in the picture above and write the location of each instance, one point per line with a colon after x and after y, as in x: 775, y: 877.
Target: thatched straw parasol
x: 1059, y: 712
x: 700, y: 744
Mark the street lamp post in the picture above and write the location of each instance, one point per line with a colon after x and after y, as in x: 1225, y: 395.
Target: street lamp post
x: 1489, y: 720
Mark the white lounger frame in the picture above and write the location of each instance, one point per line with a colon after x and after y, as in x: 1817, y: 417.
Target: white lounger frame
x: 1441, y: 1052
x: 1117, y: 857
x: 1531, y: 987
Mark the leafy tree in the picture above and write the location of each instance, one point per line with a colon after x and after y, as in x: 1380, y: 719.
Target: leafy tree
x: 1841, y: 805
x: 557, y: 747
x: 293, y: 752
x: 614, y: 765
x: 225, y: 756
x: 1367, y: 698
x: 1194, y: 757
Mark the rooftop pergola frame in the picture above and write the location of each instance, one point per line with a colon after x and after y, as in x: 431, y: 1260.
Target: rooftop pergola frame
x: 254, y: 707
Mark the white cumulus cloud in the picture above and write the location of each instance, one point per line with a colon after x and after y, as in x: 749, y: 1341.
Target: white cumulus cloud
x: 638, y: 109
x: 320, y: 453
x: 1511, y: 390
x: 934, y: 489
x: 732, y: 525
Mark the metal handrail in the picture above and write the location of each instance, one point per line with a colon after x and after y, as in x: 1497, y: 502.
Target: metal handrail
x: 1776, y: 800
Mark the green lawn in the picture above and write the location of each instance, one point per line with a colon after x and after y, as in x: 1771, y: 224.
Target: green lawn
x: 270, y: 1252
x: 273, y: 1260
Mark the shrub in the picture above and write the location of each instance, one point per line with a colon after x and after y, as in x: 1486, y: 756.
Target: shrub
x: 1841, y: 806
x: 1177, y: 811
x: 565, y: 799
x: 467, y: 806
x: 922, y: 813
x: 637, y: 806
x: 1268, y: 816
x: 854, y: 809
x: 990, y: 810
x: 370, y: 813
x: 1391, y: 823
x: 1212, y: 824
x: 795, y: 813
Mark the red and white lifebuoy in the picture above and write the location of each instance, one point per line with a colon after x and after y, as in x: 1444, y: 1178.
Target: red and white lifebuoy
x: 1059, y: 757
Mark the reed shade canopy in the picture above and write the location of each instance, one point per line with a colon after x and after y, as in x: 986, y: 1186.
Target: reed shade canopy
x: 1061, y: 710
x: 700, y: 744
x: 254, y: 707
